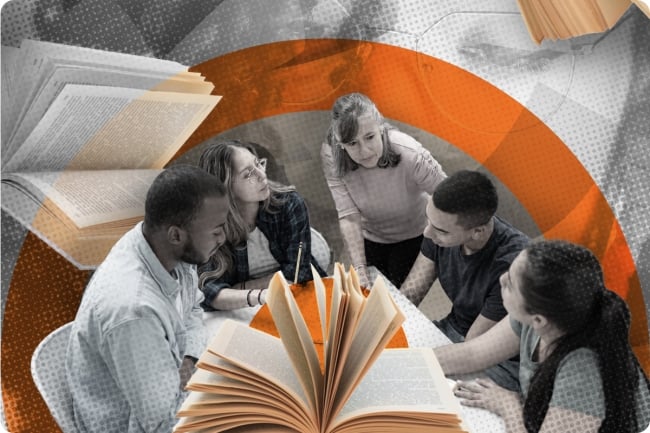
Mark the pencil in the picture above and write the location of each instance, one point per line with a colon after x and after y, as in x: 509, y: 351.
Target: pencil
x: 295, y: 278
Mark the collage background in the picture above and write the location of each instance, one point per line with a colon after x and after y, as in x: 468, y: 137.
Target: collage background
x: 593, y: 92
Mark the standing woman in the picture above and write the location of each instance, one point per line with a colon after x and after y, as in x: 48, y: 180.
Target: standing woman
x: 267, y: 222
x: 577, y: 372
x: 380, y: 179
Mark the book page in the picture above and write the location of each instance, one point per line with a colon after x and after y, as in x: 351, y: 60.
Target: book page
x: 258, y: 352
x: 83, y: 73
x: 296, y: 339
x: 378, y: 322
x: 403, y: 380
x: 90, y: 198
x: 36, y: 55
x: 95, y: 127
x: 10, y: 74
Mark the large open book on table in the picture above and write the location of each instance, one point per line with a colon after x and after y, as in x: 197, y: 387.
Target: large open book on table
x: 248, y: 380
x: 84, y: 134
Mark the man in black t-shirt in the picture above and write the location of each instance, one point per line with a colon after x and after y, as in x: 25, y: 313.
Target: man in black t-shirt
x: 467, y: 248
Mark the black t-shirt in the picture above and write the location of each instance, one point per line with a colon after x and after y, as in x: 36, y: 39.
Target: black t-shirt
x: 472, y: 282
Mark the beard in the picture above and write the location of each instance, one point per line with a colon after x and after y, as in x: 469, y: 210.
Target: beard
x: 191, y: 255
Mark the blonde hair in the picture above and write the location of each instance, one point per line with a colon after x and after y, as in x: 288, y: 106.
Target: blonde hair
x: 217, y: 160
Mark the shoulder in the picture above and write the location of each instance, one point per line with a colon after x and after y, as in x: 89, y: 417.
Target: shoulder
x: 509, y: 241
x: 290, y: 199
x: 578, y: 384
x: 405, y: 143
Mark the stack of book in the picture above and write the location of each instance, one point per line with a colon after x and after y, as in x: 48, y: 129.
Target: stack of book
x: 250, y: 381
x: 85, y: 132
x: 562, y: 19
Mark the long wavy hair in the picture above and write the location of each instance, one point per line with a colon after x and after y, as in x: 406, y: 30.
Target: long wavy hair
x: 217, y: 160
x: 343, y: 128
x: 564, y: 282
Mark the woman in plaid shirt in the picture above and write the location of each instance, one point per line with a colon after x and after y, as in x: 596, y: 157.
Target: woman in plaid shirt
x: 266, y: 225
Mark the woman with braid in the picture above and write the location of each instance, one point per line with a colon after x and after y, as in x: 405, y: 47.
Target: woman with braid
x: 578, y: 372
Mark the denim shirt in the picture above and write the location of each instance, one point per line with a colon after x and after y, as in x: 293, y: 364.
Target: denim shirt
x: 285, y: 228
x: 129, y: 339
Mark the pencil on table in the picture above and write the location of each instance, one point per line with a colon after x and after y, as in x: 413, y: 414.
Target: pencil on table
x: 295, y: 278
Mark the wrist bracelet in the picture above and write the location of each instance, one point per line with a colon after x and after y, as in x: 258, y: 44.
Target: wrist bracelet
x: 248, y: 300
x: 259, y: 296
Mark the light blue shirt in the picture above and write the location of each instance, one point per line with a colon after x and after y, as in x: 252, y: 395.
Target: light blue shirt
x: 129, y: 339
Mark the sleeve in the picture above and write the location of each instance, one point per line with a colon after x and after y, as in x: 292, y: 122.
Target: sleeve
x: 146, y: 370
x: 578, y: 385
x: 296, y: 229
x: 196, y: 338
x: 427, y: 172
x: 429, y: 249
x: 210, y: 291
x: 493, y: 308
x: 342, y: 200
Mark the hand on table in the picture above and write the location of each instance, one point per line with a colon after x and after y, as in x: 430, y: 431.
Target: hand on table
x: 486, y: 394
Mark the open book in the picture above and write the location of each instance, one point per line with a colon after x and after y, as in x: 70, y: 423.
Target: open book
x: 84, y: 134
x: 562, y: 19
x: 248, y: 380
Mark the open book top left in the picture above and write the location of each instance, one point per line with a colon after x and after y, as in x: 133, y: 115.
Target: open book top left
x: 84, y: 133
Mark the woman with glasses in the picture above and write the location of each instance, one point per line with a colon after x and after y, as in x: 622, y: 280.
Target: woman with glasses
x: 578, y: 372
x: 380, y: 179
x: 267, y: 226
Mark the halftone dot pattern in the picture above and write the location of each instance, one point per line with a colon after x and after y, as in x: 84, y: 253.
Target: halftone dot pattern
x: 592, y: 87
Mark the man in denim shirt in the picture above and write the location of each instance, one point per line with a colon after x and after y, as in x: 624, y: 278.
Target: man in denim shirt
x: 139, y: 330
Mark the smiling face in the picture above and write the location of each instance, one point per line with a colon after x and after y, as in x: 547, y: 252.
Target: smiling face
x: 249, y: 183
x: 443, y: 228
x: 366, y: 147
x: 205, y: 233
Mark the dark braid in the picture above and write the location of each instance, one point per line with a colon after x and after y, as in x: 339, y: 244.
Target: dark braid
x: 564, y: 283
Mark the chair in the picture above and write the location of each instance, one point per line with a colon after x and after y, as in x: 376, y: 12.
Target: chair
x: 320, y: 250
x: 48, y: 372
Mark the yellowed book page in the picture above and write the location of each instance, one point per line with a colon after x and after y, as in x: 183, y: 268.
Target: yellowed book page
x: 102, y: 128
x: 84, y: 250
x: 554, y: 19
x: 378, y: 322
x: 612, y: 10
x: 567, y: 17
x: 91, y: 198
x: 544, y: 21
x: 296, y: 339
x: 531, y: 21
x: 400, y: 381
x: 321, y: 302
x: 259, y: 353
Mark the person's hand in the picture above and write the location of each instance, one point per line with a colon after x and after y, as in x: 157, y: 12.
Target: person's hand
x: 486, y: 394
x: 186, y: 370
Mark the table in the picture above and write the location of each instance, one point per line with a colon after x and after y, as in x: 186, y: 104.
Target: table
x: 419, y: 331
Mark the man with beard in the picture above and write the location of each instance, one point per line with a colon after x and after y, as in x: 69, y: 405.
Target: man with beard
x: 139, y: 330
x: 467, y: 248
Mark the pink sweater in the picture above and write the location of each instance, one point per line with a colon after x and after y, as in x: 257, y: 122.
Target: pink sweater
x: 391, y: 201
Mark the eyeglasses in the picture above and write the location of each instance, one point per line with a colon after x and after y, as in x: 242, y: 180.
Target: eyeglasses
x: 260, y: 165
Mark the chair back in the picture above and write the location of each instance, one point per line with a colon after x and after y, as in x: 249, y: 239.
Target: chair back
x: 48, y: 372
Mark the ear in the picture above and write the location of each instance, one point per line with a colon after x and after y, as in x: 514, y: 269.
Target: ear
x: 175, y: 235
x: 539, y: 321
x: 479, y: 232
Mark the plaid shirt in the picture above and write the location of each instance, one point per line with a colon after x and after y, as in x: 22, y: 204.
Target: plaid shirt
x: 284, y: 228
